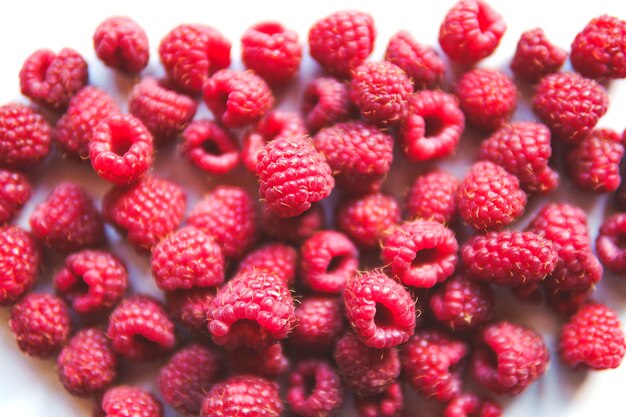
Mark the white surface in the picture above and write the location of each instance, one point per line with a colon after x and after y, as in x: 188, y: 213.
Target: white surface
x: 29, y: 388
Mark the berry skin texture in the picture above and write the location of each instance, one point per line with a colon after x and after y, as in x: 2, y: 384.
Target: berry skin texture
x: 323, y: 398
x: 295, y: 229
x: 466, y: 405
x: 420, y: 62
x: 608, y: 243
x: 15, y: 191
x: 326, y: 101
x: 535, y: 56
x: 274, y: 258
x: 599, y: 50
x: 123, y: 401
x: 432, y: 197
x: 189, y: 308
x: 209, y: 147
x: 242, y: 395
x: 19, y: 263
x: 320, y: 323
x: 121, y: 44
x: 342, y: 41
x: 388, y: 403
x: 24, y: 137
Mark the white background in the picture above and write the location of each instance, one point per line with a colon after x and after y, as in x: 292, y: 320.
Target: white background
x: 29, y: 387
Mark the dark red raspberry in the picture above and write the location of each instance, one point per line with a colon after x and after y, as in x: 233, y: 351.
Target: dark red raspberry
x: 237, y: 98
x: 593, y: 338
x: 420, y: 62
x: 432, y: 197
x: 228, y: 215
x: 314, y: 389
x: 243, y: 395
x: 567, y: 302
x: 471, y: 31
x: 432, y: 127
x: 19, y: 263
x: 536, y: 56
x: 342, y: 41
x: 292, y: 175
x: 209, y: 147
x: 326, y: 101
x: 468, y: 405
x: 360, y: 155
x: 320, y: 323
x: 87, y: 365
x: 508, y: 358
x: 24, y: 137
x: 570, y: 105
x: 121, y: 44
x: 189, y: 308
x: 190, y: 53
x: 599, y: 51
x: 93, y: 281
x: 388, y: 403
x: 41, y: 324
x: 421, y: 253
x: 295, y: 229
x: 275, y: 258
x: 146, y: 211
x: 265, y: 361
x: 15, y: 191
x: 272, y: 51
x: 50, y: 79
x: 67, y: 220
x: 123, y: 401
x: 609, y: 243
x: 139, y: 328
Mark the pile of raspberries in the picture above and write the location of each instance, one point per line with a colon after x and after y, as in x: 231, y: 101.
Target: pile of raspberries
x: 267, y: 309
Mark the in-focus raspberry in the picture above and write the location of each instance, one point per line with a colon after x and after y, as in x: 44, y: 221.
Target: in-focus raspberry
x: 599, y: 50
x: 433, y: 197
x: 314, y: 389
x: 209, y: 147
x: 15, y: 191
x: 243, y: 395
x: 24, y: 137
x: 536, y: 56
x: 122, y: 44
x: 420, y: 62
x: 326, y: 101
x: 275, y: 258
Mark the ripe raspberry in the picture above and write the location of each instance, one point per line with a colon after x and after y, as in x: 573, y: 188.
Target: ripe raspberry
x: 24, y: 137
x: 466, y: 405
x: 570, y: 105
x: 50, y: 79
x: 609, y: 243
x: 536, y: 56
x: 146, y: 211
x: 314, y: 389
x: 567, y: 302
x: 508, y: 358
x: 359, y: 155
x: 15, y: 191
x: 593, y: 338
x: 320, y: 323
x: 420, y: 62
x: 268, y: 361
x: 292, y: 175
x: 432, y: 127
x: 388, y: 403
x: 237, y: 98
x: 189, y: 308
x: 366, y: 220
x: 243, y: 395
x: 471, y: 31
x: 190, y: 53
x: 41, y: 324
x: 432, y: 197
x: 121, y: 44
x: 342, y: 41
x: 67, y: 220
x: 295, y: 229
x: 19, y: 263
x: 274, y: 258
x: 87, y: 365
x: 209, y: 147
x: 123, y: 401
x: 272, y: 51
x: 326, y: 101
x: 421, y: 253
x: 599, y: 51
x: 228, y: 215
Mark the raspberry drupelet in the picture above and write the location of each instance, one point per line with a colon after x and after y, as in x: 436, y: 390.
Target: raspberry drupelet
x: 535, y: 56
x: 320, y: 323
x: 326, y: 101
x: 122, y: 44
x: 599, y: 50
x: 295, y: 229
x: 275, y: 258
x: 466, y: 405
x: 609, y: 243
x: 209, y: 147
x: 420, y: 62
x: 388, y: 403
x: 269, y: 362
x: 15, y: 191
x: 25, y: 137
x: 124, y: 400
x: 243, y: 395
x: 314, y: 389
x: 19, y: 263
x: 189, y: 308
x: 432, y: 197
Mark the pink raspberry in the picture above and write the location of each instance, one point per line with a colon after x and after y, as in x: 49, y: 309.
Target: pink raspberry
x: 121, y: 44
x: 432, y: 197
x: 420, y: 62
x: 274, y: 258
x: 209, y: 147
x: 466, y: 405
x: 123, y: 400
x: 189, y: 308
x: 24, y: 137
x: 295, y: 229
x: 366, y: 220
x: 320, y: 323
x: 536, y: 56
x: 243, y: 395
x: 609, y: 243
x: 314, y: 389
x: 599, y: 50
x: 267, y: 361
x: 388, y: 403
x: 15, y: 191
x: 326, y: 101
x: 19, y: 263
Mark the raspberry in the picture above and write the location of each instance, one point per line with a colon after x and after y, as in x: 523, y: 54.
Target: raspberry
x: 432, y: 127
x: 24, y: 137
x: 523, y: 149
x: 292, y: 175
x: 421, y: 253
x: 121, y: 44
x: 471, y: 31
x: 15, y: 191
x: 274, y: 258
x: 359, y: 155
x: 41, y: 324
x: 365, y: 220
x: 228, y: 215
x: 342, y: 41
x: 272, y: 51
x: 243, y: 395
x: 489, y: 197
x: 140, y: 329
x: 508, y: 358
x: 50, y: 79
x: 87, y: 365
x: 123, y: 400
x: 466, y: 405
x: 189, y: 308
x: 121, y: 149
x: 320, y: 323
x: 186, y: 259
x: 146, y: 211
x: 593, y: 338
x: 237, y: 98
x: 19, y: 263
x: 314, y: 389
x: 386, y: 404
x: 293, y: 229
x: 599, y: 51
x: 420, y: 62
x: 67, y: 220
x: 265, y: 361
x: 327, y: 260
x: 432, y: 197
x: 93, y: 281
x: 535, y: 56
x: 609, y: 244
x: 209, y: 147
x: 190, y: 53
x: 570, y: 105
x: 326, y: 101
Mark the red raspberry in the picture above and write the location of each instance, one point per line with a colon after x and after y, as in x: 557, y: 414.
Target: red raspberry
x: 265, y: 361
x: 593, y: 338
x: 121, y: 44
x: 535, y: 56
x: 243, y: 395
x: 432, y: 127
x: 342, y: 41
x: 50, y: 79
x: 139, y: 328
x: 568, y: 302
x: 388, y: 403
x: 326, y: 101
x: 189, y: 308
x: 466, y: 405
x: 87, y: 365
x: 508, y: 358
x: 41, y: 324
x: 432, y: 197
x: 314, y: 389
x: 15, y: 191
x: 272, y: 51
x: 421, y: 253
x: 609, y: 243
x: 420, y: 62
x: 19, y: 263
x: 67, y: 220
x: 146, y: 211
x: 209, y: 147
x: 237, y: 98
x: 295, y: 229
x: 123, y: 401
x: 228, y: 215
x: 599, y: 51
x: 359, y: 155
x: 292, y: 175
x: 274, y: 258
x: 471, y: 31
x: 24, y: 137
x: 320, y: 323
x: 190, y: 53
x: 570, y: 105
